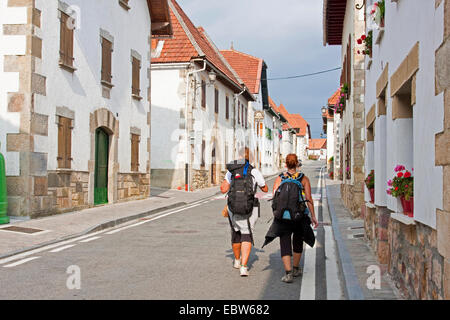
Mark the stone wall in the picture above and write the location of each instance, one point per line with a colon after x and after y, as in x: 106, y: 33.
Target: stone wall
x: 353, y: 198
x: 376, y: 224
x: 442, y: 145
x: 414, y: 262
x: 133, y: 186
x: 200, y: 179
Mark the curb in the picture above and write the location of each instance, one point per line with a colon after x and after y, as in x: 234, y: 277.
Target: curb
x: 352, y: 288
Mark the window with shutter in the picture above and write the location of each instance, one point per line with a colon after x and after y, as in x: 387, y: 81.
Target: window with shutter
x: 246, y: 117
x: 136, y: 71
x: 64, y: 143
x: 66, y: 42
x: 242, y: 114
x: 135, y: 139
x: 239, y: 112
x: 203, y: 94
x: 106, y: 62
x: 227, y: 108
x: 216, y: 101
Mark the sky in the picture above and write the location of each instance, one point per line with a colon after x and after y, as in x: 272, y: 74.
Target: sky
x: 288, y: 35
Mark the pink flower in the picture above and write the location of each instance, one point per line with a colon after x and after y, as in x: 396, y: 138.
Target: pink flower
x: 390, y: 183
x: 406, y: 186
x: 388, y: 191
x: 375, y: 4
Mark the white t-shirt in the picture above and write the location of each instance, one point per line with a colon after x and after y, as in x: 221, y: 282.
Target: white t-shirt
x: 258, y: 178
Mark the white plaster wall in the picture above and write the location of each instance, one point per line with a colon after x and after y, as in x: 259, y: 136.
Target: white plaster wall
x: 81, y: 91
x: 330, y: 139
x: 9, y: 82
x: 410, y: 142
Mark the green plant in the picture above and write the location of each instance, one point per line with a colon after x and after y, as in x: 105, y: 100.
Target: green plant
x: 367, y: 40
x: 402, y: 185
x: 331, y: 159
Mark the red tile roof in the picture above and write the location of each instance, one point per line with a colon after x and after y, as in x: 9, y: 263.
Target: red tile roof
x: 190, y: 42
x: 248, y: 67
x: 295, y: 121
x: 334, y: 98
x: 317, y: 144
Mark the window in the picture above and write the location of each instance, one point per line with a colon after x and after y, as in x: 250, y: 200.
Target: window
x: 242, y: 114
x: 64, y: 142
x: 106, y: 62
x: 136, y: 71
x: 216, y: 101
x: 348, y: 156
x: 66, y: 42
x: 203, y: 94
x: 227, y: 108
x: 135, y: 139
x: 246, y: 117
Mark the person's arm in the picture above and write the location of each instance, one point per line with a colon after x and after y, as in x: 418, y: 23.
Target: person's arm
x: 276, y: 184
x: 310, y: 203
x: 260, y: 180
x: 225, y: 186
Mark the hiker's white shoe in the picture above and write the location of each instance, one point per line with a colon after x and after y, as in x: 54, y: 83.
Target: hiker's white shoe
x: 244, y: 271
x: 237, y: 264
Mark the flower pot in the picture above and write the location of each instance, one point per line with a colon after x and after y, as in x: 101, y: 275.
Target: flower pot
x: 382, y: 23
x: 408, y: 206
x: 372, y: 195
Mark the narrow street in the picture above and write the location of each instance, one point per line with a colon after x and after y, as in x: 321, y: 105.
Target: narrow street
x: 182, y: 253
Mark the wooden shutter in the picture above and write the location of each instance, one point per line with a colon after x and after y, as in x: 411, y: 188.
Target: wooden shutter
x: 216, y: 100
x: 246, y: 117
x: 136, y: 71
x: 242, y: 114
x: 227, y: 108
x: 106, y: 60
x: 203, y: 94
x: 239, y: 112
x: 135, y: 139
x: 349, y: 64
x: 64, y: 143
x: 66, y: 41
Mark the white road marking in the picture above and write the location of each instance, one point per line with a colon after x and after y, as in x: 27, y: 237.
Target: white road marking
x: 308, y: 289
x: 20, y: 262
x: 63, y: 248
x: 90, y: 239
x: 334, y: 291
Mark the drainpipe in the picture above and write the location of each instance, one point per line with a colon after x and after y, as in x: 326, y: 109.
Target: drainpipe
x: 188, y: 142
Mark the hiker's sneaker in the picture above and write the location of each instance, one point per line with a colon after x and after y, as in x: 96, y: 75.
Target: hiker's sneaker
x: 244, y: 271
x: 237, y: 264
x: 297, y: 272
x: 288, y: 277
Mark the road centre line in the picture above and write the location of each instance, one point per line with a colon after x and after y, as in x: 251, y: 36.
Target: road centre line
x: 90, y: 239
x: 63, y: 248
x: 20, y: 262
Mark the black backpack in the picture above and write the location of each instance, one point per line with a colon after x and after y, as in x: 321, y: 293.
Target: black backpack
x: 288, y: 197
x: 241, y: 196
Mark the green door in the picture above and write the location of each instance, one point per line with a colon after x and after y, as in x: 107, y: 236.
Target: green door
x: 101, y: 167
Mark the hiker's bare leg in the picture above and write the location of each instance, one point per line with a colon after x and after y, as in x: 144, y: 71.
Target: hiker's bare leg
x: 287, y: 262
x: 246, y: 248
x: 297, y: 257
x: 237, y: 251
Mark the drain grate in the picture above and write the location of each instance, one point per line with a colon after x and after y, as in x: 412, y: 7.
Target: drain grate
x: 355, y: 236
x: 22, y: 230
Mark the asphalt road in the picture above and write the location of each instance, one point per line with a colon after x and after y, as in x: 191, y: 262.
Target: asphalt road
x: 184, y: 253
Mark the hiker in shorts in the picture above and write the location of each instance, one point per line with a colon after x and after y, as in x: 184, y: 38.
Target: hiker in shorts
x: 292, y: 223
x: 241, y: 182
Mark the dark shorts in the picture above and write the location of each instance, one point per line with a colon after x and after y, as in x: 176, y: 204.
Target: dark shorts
x: 286, y: 244
x: 237, y: 237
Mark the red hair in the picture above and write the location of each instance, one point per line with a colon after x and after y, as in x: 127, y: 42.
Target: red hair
x: 291, y: 161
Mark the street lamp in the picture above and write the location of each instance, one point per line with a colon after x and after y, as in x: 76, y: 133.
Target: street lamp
x: 212, y: 77
x: 324, y: 110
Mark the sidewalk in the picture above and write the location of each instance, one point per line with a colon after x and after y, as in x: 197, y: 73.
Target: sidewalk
x: 69, y: 225
x: 355, y: 255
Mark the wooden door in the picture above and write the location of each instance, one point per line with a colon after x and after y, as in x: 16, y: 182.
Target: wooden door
x: 101, y: 167
x: 213, y: 167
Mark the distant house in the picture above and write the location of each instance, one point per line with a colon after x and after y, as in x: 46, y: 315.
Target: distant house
x: 199, y: 108
x: 331, y: 125
x: 317, y: 149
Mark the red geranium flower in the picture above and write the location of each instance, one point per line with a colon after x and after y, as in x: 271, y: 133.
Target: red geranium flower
x: 396, y: 188
x: 363, y: 37
x: 400, y: 174
x: 359, y: 41
x: 407, y: 174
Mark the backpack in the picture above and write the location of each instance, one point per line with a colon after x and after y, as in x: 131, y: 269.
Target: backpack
x: 288, y: 202
x: 241, y: 196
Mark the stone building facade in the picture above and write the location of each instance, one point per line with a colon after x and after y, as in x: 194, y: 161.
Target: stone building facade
x: 54, y: 100
x: 407, y: 105
x: 343, y: 21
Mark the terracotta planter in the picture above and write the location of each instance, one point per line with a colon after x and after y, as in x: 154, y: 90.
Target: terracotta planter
x: 408, y: 206
x: 372, y: 195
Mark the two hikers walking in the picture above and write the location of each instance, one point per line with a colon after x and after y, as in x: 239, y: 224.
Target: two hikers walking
x: 292, y: 206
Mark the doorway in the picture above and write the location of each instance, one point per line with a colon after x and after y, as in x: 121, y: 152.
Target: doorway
x: 213, y: 166
x: 101, y: 167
